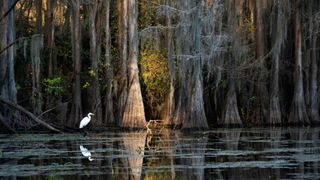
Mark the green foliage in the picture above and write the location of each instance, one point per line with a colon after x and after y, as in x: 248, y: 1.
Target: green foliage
x: 86, y: 85
x: 253, y: 98
x: 247, y: 25
x: 18, y: 87
x: 155, y: 74
x: 53, y: 86
x: 91, y: 72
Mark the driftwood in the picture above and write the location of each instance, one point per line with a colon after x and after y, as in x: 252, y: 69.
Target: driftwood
x: 29, y: 114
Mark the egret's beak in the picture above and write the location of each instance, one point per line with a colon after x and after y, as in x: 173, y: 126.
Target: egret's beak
x: 92, y: 114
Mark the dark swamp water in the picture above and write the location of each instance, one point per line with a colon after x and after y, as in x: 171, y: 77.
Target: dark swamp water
x: 216, y: 154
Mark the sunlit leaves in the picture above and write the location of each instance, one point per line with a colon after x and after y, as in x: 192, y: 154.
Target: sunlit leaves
x: 53, y: 86
x: 154, y: 71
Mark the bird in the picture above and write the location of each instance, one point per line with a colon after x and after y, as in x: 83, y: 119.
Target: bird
x: 86, y: 153
x: 85, y: 121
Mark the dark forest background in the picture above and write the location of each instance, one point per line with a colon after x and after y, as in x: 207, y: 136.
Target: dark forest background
x: 189, y: 63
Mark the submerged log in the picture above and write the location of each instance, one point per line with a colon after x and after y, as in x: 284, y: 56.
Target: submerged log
x: 29, y: 114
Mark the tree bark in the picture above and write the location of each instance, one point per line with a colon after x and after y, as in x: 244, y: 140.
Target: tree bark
x: 314, y: 80
x: 134, y: 116
x: 108, y: 101
x: 38, y: 5
x: 122, y: 79
x: 261, y: 89
x: 231, y: 115
x: 298, y: 113
x: 169, y: 108
x: 3, y: 45
x: 275, y: 110
x: 76, y: 109
x: 8, y: 89
x: 94, y: 95
x: 36, y: 46
x: 188, y: 88
x: 49, y: 16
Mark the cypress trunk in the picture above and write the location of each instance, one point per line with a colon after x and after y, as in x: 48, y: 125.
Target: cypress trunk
x: 108, y: 112
x: 261, y: 89
x: 134, y: 116
x: 279, y: 39
x: 122, y: 79
x: 298, y: 112
x: 231, y: 115
x: 76, y: 110
x: 8, y: 89
x: 94, y: 90
x: 314, y: 82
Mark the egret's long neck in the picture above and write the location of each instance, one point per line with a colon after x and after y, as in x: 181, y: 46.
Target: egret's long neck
x: 89, y: 115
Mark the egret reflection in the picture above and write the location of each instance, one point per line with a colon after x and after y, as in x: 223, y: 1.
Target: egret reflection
x: 86, y: 153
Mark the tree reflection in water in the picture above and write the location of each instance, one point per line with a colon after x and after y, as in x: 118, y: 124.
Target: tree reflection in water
x: 266, y: 153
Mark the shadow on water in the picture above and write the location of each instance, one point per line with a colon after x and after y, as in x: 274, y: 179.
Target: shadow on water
x: 264, y: 153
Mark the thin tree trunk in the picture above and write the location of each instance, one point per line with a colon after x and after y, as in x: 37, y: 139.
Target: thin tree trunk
x: 3, y: 40
x: 298, y: 112
x: 169, y: 109
x: 12, y: 91
x: 262, y: 93
x: 38, y: 4
x: 50, y: 35
x: 108, y: 116
x: 36, y: 46
x: 134, y: 115
x: 76, y: 110
x: 50, y: 46
x: 94, y: 95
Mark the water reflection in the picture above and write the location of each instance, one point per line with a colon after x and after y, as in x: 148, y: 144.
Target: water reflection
x: 271, y: 153
x: 86, y: 153
x: 131, y: 149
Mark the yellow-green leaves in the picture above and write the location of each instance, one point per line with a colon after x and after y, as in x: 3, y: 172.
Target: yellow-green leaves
x: 154, y: 71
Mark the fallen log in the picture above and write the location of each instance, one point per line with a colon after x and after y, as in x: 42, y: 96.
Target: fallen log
x: 29, y: 114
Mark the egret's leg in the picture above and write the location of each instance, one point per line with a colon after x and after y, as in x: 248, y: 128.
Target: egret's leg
x: 85, y: 133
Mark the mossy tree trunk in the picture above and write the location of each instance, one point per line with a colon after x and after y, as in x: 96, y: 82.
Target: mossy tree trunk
x: 134, y: 115
x: 298, y: 112
x: 231, y: 115
x: 261, y: 89
x: 8, y: 89
x: 314, y: 112
x: 121, y: 77
x: 279, y: 35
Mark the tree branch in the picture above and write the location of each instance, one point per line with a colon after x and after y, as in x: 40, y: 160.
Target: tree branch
x: 29, y: 114
x: 14, y: 42
x: 9, y: 10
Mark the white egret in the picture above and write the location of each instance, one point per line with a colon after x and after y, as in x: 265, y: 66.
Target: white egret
x: 85, y: 120
x: 86, y: 153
